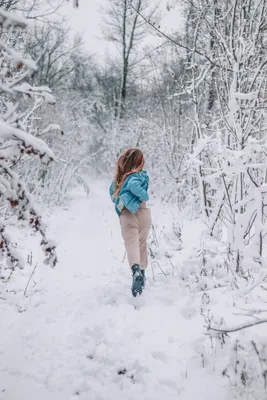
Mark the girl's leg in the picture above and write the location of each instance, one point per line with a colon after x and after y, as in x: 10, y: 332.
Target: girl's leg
x: 144, y: 217
x: 130, y: 234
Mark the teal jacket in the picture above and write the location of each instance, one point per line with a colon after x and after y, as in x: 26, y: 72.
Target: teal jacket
x: 132, y: 194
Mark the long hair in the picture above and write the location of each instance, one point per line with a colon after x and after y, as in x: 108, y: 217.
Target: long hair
x: 130, y: 162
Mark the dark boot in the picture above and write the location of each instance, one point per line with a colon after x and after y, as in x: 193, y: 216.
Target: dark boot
x: 144, y: 276
x: 138, y: 280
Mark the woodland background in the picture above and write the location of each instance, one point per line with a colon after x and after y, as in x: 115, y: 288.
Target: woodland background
x: 195, y: 105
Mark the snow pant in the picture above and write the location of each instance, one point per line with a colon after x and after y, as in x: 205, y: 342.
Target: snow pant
x: 135, y: 229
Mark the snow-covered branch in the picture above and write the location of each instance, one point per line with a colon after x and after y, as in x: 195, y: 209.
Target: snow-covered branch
x: 17, y: 140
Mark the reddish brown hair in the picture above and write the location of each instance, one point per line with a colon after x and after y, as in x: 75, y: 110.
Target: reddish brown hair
x: 130, y: 162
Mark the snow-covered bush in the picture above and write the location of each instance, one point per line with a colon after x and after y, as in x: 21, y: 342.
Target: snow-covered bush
x: 247, y: 368
x: 19, y: 101
x: 229, y: 154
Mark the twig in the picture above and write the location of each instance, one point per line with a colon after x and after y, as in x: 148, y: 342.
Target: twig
x: 256, y: 284
x: 155, y: 235
x: 30, y: 279
x: 173, y: 267
x: 158, y: 264
x: 252, y: 180
x: 153, y: 272
x: 124, y: 257
x: 261, y: 360
x: 9, y: 277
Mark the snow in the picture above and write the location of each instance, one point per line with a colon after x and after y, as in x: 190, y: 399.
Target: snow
x: 17, y: 58
x: 29, y: 90
x: 52, y: 127
x: 245, y: 96
x: 9, y: 132
x: 8, y: 19
x: 79, y: 334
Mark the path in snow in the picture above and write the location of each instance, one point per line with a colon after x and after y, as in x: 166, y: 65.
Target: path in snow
x: 84, y: 337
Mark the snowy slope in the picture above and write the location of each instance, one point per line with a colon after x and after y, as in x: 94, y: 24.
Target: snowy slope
x: 83, y: 336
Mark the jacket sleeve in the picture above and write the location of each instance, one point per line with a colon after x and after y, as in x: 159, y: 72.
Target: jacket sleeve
x: 112, y: 191
x: 134, y: 185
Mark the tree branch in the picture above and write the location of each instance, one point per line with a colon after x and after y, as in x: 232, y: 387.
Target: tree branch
x: 179, y: 44
x: 237, y: 328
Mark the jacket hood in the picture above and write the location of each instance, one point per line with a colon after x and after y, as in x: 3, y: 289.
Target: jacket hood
x: 143, y: 173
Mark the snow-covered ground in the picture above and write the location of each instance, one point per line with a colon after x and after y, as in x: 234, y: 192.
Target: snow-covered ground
x: 79, y: 334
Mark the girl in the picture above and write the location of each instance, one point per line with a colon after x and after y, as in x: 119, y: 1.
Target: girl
x: 129, y: 194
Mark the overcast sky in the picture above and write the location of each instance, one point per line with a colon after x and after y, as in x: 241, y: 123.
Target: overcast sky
x: 87, y: 19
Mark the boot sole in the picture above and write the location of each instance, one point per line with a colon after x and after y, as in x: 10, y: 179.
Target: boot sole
x: 138, y: 285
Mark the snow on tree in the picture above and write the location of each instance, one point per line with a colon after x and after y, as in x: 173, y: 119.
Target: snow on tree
x: 17, y: 140
x: 75, y: 3
x: 225, y: 85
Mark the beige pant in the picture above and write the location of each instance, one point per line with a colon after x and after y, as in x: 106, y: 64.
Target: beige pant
x: 135, y: 229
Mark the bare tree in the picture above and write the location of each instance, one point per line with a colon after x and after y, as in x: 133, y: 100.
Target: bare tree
x: 9, y: 4
x: 56, y: 54
x: 124, y: 27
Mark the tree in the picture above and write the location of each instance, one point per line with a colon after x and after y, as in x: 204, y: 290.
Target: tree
x: 56, y: 53
x: 232, y: 153
x: 224, y: 86
x: 19, y: 101
x: 124, y: 27
x: 9, y: 4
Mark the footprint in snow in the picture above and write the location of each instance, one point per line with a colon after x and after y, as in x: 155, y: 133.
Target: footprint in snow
x: 158, y: 355
x: 169, y: 386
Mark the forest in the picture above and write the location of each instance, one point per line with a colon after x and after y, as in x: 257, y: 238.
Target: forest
x: 194, y: 100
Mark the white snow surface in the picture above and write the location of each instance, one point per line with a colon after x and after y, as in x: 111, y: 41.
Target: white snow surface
x: 79, y: 326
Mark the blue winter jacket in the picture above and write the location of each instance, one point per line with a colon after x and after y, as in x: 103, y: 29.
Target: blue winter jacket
x: 132, y: 194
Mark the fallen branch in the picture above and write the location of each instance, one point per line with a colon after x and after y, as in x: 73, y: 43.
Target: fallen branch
x: 237, y: 328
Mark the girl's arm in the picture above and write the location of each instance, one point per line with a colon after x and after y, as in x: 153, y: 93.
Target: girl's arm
x: 134, y: 185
